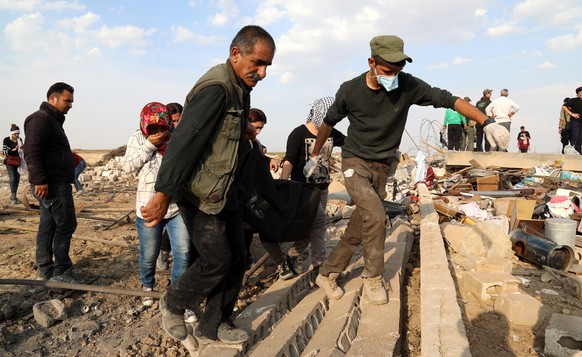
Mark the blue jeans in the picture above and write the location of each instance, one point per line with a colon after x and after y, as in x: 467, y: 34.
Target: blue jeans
x: 58, y: 222
x: 14, y: 179
x: 78, y: 169
x: 149, y: 248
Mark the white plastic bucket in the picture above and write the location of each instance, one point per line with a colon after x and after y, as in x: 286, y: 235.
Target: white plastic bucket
x: 561, y: 231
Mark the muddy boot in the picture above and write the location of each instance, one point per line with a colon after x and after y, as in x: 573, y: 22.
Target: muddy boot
x: 375, y: 291
x: 329, y: 285
x: 230, y: 334
x: 172, y: 323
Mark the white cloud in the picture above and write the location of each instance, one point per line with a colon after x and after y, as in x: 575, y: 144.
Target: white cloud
x: 183, y: 34
x: 228, y: 11
x: 440, y: 65
x: 78, y: 24
x: 219, y: 19
x: 549, y: 12
x: 24, y: 5
x: 460, y: 60
x: 268, y: 15
x: 547, y: 65
x: 114, y: 37
x: 565, y: 42
x: 25, y: 33
x: 62, y: 5
x: 137, y: 52
x: 286, y: 77
x: 502, y: 30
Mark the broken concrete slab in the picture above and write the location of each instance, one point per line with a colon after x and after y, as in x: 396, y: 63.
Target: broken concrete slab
x: 564, y: 336
x: 511, y: 160
x: 486, y: 285
x: 519, y: 309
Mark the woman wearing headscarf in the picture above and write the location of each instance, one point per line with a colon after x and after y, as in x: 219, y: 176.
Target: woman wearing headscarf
x: 12, y: 147
x: 299, y: 147
x: 144, y: 154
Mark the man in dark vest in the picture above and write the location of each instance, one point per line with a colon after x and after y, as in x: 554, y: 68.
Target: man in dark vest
x: 201, y: 171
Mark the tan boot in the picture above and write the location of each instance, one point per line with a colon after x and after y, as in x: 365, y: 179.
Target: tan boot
x: 375, y: 290
x: 329, y: 285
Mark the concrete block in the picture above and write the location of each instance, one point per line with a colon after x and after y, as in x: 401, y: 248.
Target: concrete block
x: 46, y: 313
x: 564, y: 336
x: 485, y: 285
x: 519, y: 309
x: 494, y: 265
x: 455, y: 234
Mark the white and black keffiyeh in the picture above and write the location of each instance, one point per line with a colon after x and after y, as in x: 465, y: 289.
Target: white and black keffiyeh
x: 318, y: 110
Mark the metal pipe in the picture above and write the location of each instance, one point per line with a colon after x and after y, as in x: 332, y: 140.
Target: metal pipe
x: 541, y: 251
x: 84, y: 287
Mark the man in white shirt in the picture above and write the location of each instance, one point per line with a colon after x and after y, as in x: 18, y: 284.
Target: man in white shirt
x: 502, y: 109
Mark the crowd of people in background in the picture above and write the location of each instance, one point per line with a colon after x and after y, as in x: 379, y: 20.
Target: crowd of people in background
x: 192, y: 195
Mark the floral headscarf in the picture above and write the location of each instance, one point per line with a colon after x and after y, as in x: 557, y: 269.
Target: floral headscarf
x: 318, y: 110
x: 155, y: 113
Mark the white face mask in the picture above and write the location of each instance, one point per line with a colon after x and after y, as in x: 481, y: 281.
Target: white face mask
x: 389, y: 83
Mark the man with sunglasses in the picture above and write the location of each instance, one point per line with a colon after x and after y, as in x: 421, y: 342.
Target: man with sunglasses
x: 376, y: 104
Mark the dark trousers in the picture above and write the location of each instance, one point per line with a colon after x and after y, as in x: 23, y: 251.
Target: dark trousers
x: 454, y: 133
x: 481, y: 138
x: 217, y: 273
x: 576, y: 134
x: 58, y: 222
x: 14, y: 177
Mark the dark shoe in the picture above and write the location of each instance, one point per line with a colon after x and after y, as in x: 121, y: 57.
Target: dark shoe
x: 202, y: 340
x: 230, y: 334
x: 297, y: 264
x: 285, y: 269
x: 15, y: 201
x: 66, y: 277
x: 44, y: 276
x: 172, y: 323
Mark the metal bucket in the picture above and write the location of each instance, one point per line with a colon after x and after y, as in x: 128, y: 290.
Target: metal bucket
x: 541, y: 251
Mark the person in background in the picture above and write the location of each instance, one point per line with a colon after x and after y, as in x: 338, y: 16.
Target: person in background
x: 482, y: 105
x: 470, y: 132
x: 145, y: 150
x: 523, y: 140
x: 257, y: 121
x: 564, y: 126
x: 163, y: 261
x: 203, y: 165
x: 299, y: 146
x: 376, y: 104
x: 455, y: 123
x: 51, y: 172
x: 502, y: 109
x: 80, y: 166
x: 573, y: 108
x: 12, y: 147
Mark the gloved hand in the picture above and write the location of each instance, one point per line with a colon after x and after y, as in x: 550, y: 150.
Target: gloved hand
x: 310, y: 166
x: 497, y: 135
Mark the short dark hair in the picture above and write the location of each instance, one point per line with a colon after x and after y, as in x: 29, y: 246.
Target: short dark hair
x: 392, y: 65
x: 522, y: 127
x: 566, y: 99
x: 256, y: 114
x: 248, y: 36
x: 14, y: 127
x: 579, y: 89
x: 59, y: 88
x: 175, y: 108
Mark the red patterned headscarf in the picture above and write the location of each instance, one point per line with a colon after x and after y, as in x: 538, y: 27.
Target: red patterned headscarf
x: 155, y: 113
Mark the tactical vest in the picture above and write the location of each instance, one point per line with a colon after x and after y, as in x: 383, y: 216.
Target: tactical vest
x: 214, y: 173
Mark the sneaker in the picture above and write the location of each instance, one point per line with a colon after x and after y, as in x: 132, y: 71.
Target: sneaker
x: 190, y: 317
x: 79, y: 193
x: 230, y: 334
x: 375, y: 290
x: 329, y: 285
x: 202, y: 340
x: 15, y: 201
x: 297, y: 264
x: 147, y: 300
x: 285, y: 269
x: 162, y: 261
x: 172, y: 323
x: 44, y: 276
x: 66, y: 277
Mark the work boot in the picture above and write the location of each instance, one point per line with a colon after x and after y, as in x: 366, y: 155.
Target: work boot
x: 172, y: 323
x: 375, y: 290
x: 329, y: 285
x: 202, y: 340
x: 162, y: 261
x: 285, y: 269
x: 15, y: 201
x: 66, y: 277
x: 230, y: 334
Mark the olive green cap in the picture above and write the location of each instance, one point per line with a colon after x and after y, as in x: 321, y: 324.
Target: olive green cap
x: 389, y: 47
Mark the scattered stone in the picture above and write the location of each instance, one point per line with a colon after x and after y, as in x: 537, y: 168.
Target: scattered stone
x: 46, y: 313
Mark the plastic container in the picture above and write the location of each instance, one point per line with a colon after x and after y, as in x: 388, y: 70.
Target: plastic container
x: 562, y: 231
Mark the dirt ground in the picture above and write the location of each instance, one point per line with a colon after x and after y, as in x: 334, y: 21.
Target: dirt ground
x: 100, y: 324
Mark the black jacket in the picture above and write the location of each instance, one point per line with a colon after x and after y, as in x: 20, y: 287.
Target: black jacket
x: 47, y: 151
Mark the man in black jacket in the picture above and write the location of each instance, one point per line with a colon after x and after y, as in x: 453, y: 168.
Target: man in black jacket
x: 481, y: 105
x: 51, y: 172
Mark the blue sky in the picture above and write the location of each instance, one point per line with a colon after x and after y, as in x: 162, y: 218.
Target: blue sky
x: 120, y: 55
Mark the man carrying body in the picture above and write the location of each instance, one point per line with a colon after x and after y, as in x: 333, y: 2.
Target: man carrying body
x: 376, y: 104
x: 51, y: 172
x: 502, y: 109
x: 201, y: 169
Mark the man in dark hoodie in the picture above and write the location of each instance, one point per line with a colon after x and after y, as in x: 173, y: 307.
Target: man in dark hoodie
x: 51, y: 172
x: 481, y: 105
